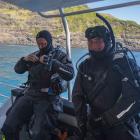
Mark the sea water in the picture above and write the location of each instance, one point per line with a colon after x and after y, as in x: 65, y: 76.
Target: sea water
x: 10, y: 54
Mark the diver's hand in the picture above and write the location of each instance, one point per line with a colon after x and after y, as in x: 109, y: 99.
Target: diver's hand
x: 31, y: 57
x: 43, y: 59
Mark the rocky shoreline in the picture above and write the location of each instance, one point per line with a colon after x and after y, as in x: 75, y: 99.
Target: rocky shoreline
x: 77, y: 41
x: 19, y: 27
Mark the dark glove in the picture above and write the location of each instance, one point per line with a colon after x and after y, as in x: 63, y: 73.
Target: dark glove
x: 108, y: 120
x: 98, y: 122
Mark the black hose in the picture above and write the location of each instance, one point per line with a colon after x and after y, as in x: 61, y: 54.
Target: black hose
x: 116, y: 67
x: 125, y: 51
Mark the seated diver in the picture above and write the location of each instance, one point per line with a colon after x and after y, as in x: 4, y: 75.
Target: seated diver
x: 41, y: 66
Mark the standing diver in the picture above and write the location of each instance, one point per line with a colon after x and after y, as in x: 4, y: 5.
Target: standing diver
x: 39, y: 97
x: 106, y: 93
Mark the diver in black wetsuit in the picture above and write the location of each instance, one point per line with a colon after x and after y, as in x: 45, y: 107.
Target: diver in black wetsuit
x: 105, y: 82
x: 39, y: 98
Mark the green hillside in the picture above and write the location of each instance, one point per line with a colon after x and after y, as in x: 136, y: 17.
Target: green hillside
x: 19, y: 21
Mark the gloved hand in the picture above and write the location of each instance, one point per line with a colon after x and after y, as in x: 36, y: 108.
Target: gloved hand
x: 31, y: 58
x: 108, y: 120
x: 44, y: 59
x: 98, y: 122
x: 51, y: 64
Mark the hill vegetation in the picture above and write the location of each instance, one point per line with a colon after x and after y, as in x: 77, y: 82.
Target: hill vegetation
x: 19, y: 26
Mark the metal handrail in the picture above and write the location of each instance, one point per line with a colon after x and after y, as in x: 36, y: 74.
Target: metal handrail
x: 115, y: 6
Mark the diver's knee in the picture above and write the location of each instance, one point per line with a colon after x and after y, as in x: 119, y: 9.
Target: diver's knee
x: 7, y: 129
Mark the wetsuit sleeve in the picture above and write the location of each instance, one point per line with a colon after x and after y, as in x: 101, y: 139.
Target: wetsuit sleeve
x: 79, y: 101
x: 21, y: 66
x: 64, y: 67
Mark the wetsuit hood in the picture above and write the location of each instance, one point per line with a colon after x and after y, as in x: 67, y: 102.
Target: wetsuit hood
x: 48, y: 37
x: 100, y: 32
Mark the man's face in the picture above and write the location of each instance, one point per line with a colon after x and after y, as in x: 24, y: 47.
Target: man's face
x: 96, y: 44
x: 42, y: 43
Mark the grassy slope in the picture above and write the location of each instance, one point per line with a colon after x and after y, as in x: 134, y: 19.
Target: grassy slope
x: 12, y: 18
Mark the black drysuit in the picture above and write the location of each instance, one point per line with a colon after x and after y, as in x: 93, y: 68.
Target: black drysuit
x: 35, y: 101
x: 97, y: 97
